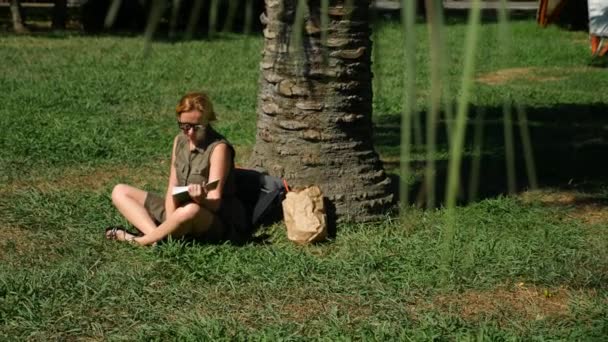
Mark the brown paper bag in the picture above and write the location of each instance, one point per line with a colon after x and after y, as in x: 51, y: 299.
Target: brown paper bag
x: 304, y: 214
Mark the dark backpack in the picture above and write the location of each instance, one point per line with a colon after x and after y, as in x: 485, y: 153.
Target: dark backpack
x: 262, y: 196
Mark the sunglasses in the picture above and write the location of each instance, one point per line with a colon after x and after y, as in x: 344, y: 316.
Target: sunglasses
x: 185, y: 127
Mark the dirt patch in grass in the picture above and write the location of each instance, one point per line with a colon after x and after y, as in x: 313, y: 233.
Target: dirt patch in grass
x: 21, y: 247
x: 14, y: 241
x: 258, y: 310
x: 148, y: 176
x: 592, y: 213
x: 96, y: 179
x: 526, y: 74
x: 527, y: 302
x: 521, y: 302
x: 301, y: 310
x: 583, y: 207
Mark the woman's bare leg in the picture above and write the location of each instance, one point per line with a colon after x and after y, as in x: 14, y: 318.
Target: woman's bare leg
x: 130, y: 202
x: 181, y: 222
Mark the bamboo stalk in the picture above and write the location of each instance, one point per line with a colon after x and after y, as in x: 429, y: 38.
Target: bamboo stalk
x: 213, y: 9
x: 477, y: 152
x: 324, y: 30
x: 193, y: 19
x: 509, y: 147
x: 112, y: 13
x: 408, y: 20
x: 456, y: 148
x: 156, y: 14
x: 434, y: 27
x: 527, y: 146
x: 507, y: 107
x: 449, y: 252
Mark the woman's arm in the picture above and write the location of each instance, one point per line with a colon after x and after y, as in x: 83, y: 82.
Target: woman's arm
x: 169, y: 201
x: 219, y: 166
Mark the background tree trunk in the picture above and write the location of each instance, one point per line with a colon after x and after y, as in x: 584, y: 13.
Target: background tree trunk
x: 314, y: 114
x: 17, y: 16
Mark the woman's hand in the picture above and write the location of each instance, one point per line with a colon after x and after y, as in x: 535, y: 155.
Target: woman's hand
x: 196, y: 192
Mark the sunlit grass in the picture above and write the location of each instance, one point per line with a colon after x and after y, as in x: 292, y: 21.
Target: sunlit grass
x: 81, y: 114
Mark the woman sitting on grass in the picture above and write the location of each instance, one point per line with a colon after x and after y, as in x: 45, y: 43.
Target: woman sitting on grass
x: 200, y: 155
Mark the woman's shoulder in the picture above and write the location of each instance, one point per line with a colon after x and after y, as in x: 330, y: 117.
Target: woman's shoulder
x: 222, y: 146
x: 218, y: 138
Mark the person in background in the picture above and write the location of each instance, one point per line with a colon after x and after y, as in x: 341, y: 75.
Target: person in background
x: 598, y: 27
x: 200, y: 155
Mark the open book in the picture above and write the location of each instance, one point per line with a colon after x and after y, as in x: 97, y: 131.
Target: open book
x: 181, y: 195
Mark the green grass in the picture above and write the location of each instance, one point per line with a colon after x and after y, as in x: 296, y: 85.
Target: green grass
x: 80, y: 114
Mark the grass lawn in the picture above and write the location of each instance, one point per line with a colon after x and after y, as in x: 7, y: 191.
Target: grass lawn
x: 80, y: 114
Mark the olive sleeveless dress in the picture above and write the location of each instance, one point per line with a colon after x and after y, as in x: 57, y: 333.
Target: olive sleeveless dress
x: 192, y: 167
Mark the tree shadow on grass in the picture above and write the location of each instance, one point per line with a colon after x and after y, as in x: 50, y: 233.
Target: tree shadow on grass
x: 569, y: 147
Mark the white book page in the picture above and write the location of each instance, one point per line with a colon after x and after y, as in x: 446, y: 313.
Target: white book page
x: 179, y: 189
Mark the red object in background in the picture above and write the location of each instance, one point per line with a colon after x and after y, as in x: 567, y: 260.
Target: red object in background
x: 549, y: 10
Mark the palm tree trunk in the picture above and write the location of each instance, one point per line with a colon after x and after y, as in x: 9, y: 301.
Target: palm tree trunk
x: 17, y: 16
x: 315, y: 106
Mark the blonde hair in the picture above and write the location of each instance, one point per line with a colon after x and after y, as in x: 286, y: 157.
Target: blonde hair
x: 196, y: 101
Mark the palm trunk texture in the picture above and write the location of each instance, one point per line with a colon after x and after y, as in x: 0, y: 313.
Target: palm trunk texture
x: 315, y: 106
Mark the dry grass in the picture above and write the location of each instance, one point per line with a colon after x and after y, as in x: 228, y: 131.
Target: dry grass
x: 21, y: 247
x: 14, y: 241
x: 528, y: 302
x: 583, y: 207
x: 97, y: 179
x: 257, y: 310
x: 537, y: 74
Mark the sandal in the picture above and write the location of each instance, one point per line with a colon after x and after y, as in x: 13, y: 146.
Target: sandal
x: 112, y: 233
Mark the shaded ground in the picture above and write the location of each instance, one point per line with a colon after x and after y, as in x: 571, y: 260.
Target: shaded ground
x: 566, y: 147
